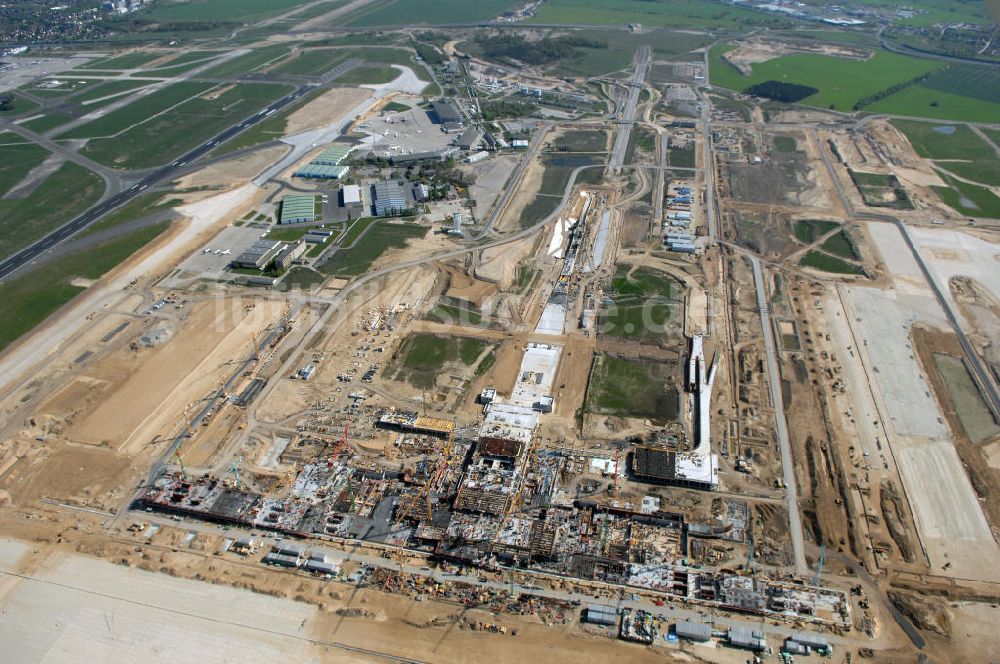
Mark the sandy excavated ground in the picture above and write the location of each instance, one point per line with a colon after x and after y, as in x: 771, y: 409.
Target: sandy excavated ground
x: 750, y: 52
x: 326, y: 109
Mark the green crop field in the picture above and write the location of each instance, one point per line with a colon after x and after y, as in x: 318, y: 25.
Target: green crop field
x: 166, y: 136
x: 244, y: 64
x: 31, y: 298
x: 654, y: 13
x: 961, y: 151
x: 372, y: 75
x: 70, y: 190
x: 619, y: 48
x: 825, y: 262
x: 18, y: 160
x: 841, y: 82
x: 969, y: 199
x: 808, y: 231
x: 359, y: 257
x: 427, y: 12
x: 630, y: 388
x: 219, y: 10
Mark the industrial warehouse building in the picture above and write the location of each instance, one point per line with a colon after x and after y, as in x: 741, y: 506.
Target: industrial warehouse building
x: 327, y: 164
x: 259, y: 254
x: 444, y: 111
x: 298, y: 209
x: 289, y: 254
x: 350, y: 197
x: 388, y: 198
x: 322, y: 172
x: 469, y: 139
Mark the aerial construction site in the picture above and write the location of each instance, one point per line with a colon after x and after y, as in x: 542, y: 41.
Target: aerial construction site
x: 656, y: 370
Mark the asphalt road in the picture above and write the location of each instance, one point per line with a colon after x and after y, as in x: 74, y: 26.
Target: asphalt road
x: 642, y: 57
x: 15, y: 262
x: 781, y: 427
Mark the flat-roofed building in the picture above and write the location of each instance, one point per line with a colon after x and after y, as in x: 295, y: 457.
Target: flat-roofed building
x: 258, y: 254
x: 444, y: 111
x: 291, y: 253
x: 350, y: 196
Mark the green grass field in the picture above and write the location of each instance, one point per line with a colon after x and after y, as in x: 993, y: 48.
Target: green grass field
x: 841, y: 82
x: 369, y: 74
x: 452, y: 315
x: 20, y: 105
x: 244, y: 64
x: 840, y: 244
x: 50, y: 120
x: 641, y: 304
x: 421, y: 356
x: 427, y: 12
x: 268, y: 129
x: 105, y: 90
x: 31, y: 298
x: 17, y: 162
x: 808, y: 231
x: 374, y: 243
x: 969, y: 199
x: 919, y: 101
x: 785, y: 144
x: 166, y: 136
x: 581, y: 140
x: 120, y: 62
x: 630, y: 388
x: 962, y: 152
x: 824, y: 262
x: 654, y: 13
x: 137, y: 208
x: 70, y: 190
x: 138, y: 111
x: 313, y: 61
x: 220, y: 10
x: 558, y: 169
x: 619, y: 50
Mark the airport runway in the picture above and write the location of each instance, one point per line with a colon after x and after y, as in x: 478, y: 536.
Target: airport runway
x: 20, y: 259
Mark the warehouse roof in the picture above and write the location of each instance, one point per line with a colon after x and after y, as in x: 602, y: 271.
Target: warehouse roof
x: 329, y: 171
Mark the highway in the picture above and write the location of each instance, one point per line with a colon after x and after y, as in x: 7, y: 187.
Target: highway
x: 642, y: 57
x: 781, y: 426
x: 18, y: 260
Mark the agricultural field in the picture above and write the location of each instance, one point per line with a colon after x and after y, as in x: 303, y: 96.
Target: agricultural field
x: 427, y: 12
x: 358, y: 258
x: 841, y: 82
x: 421, y: 356
x: 67, y: 192
x: 840, y: 244
x: 672, y: 13
x: 954, y: 148
x: 618, y: 50
x: 921, y: 102
x: 631, y: 388
x: 161, y: 138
